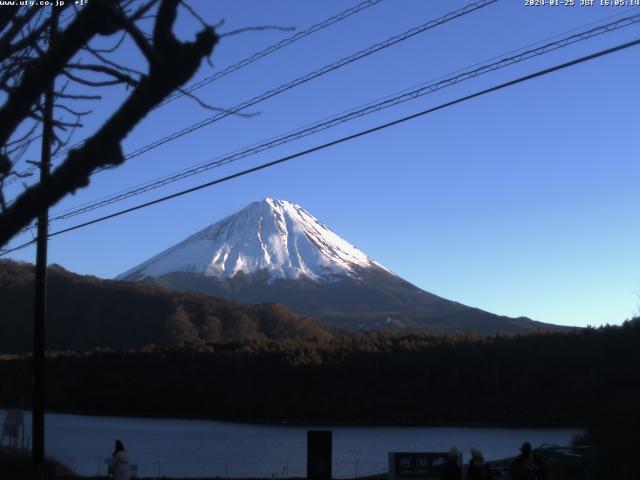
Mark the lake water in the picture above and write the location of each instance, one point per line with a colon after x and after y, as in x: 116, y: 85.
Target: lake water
x: 198, y: 448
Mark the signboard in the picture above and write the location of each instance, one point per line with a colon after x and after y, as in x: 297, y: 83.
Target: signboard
x: 416, y: 465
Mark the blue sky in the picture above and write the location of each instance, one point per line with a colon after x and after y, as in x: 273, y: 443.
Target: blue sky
x: 522, y: 202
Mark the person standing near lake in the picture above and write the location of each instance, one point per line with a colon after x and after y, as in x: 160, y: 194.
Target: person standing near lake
x: 527, y: 467
x: 478, y: 469
x: 451, y: 469
x: 119, y: 464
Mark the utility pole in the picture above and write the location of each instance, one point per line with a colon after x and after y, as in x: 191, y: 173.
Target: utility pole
x: 40, y: 306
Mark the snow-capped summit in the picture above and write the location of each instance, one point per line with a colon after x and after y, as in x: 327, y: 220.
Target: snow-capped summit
x: 276, y: 251
x: 275, y: 236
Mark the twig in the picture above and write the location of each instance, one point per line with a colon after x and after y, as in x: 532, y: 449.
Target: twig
x: 215, y: 109
x: 194, y: 14
x: 255, y: 29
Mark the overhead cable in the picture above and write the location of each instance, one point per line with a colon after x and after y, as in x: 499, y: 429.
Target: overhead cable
x: 343, y: 118
x: 273, y: 48
x: 344, y: 139
x: 256, y: 56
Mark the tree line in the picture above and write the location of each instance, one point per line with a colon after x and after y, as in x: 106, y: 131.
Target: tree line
x: 583, y: 378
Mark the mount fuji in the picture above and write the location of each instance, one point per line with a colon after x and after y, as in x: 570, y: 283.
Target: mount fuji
x: 275, y: 237
x: 276, y: 251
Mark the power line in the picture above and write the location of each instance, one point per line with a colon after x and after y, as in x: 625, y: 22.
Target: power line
x: 341, y: 15
x: 425, y: 89
x: 256, y: 56
x: 306, y: 78
x: 609, y: 27
x: 273, y: 48
x: 347, y: 138
x: 472, y: 7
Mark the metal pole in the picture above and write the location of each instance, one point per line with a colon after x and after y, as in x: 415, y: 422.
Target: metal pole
x: 40, y: 307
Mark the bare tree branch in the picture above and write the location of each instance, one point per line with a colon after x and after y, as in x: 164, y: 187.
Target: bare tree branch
x: 171, y: 64
x: 136, y: 34
x: 73, y: 112
x: 16, y: 26
x: 113, y: 72
x: 105, y: 60
x: 110, y: 49
x: 87, y: 24
x: 255, y: 29
x: 96, y: 83
x: 205, y: 105
x: 70, y: 96
x: 143, y: 10
x: 193, y: 13
x: 7, y: 15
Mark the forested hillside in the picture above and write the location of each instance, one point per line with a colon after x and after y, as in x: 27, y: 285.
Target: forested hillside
x: 86, y: 312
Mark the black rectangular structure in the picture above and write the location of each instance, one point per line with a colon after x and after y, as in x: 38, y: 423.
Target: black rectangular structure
x: 319, y: 454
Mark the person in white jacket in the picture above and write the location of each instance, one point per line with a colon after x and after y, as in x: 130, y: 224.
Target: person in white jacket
x: 119, y: 465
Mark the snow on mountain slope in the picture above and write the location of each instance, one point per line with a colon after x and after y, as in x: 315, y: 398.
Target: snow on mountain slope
x: 273, y: 235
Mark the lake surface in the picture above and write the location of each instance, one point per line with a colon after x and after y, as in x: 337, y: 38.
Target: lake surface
x: 198, y: 448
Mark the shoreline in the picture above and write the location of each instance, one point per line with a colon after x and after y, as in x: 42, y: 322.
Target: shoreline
x: 324, y: 423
